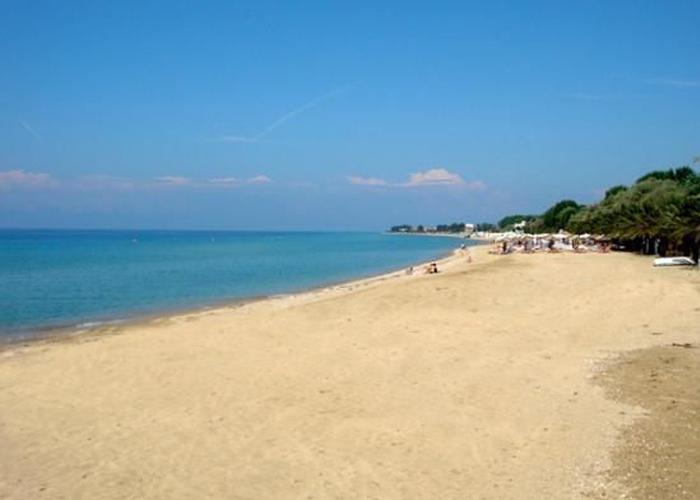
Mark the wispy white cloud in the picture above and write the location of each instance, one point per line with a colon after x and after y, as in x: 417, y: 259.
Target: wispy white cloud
x: 672, y: 82
x: 235, y: 181
x: 259, y: 179
x: 26, y: 126
x: 20, y: 178
x: 174, y: 180
x: 366, y: 181
x: 224, y: 181
x: 283, y: 119
x: 431, y: 177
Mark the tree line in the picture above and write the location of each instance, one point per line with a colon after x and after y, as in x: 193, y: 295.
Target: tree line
x: 658, y: 213
x: 455, y: 227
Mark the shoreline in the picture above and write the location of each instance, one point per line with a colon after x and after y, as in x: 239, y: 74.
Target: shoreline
x: 484, y: 379
x: 53, y: 334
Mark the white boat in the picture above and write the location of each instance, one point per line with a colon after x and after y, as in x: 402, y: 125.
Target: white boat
x: 673, y: 261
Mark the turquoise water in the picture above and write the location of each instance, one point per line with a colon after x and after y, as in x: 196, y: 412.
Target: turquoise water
x: 53, y: 279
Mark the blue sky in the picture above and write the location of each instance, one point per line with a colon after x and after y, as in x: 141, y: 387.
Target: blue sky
x: 322, y: 115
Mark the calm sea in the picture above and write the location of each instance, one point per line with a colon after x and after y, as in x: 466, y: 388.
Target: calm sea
x: 53, y: 279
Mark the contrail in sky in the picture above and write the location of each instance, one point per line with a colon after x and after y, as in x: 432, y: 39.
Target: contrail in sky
x: 286, y: 117
x: 29, y: 129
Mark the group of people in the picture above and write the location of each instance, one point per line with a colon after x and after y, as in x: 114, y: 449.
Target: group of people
x: 550, y: 245
x: 431, y: 268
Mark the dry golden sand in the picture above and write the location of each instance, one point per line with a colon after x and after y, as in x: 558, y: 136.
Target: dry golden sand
x: 494, y: 379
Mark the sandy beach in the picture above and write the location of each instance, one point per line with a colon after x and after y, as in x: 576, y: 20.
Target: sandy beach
x: 519, y: 376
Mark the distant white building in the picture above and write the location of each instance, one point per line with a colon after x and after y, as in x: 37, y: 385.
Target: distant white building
x: 469, y: 228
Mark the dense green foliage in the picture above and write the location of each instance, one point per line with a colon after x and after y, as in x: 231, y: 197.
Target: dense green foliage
x: 558, y: 216
x: 486, y: 226
x: 662, y: 208
x: 614, y: 190
x: 555, y: 218
x: 660, y: 211
x: 455, y: 227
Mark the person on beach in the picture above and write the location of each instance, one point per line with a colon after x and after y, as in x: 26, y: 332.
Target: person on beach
x: 468, y: 254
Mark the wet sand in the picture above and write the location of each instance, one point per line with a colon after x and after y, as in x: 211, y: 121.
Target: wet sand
x: 659, y: 455
x: 499, y: 378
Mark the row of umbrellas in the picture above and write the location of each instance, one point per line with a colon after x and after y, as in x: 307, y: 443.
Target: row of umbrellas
x: 561, y: 235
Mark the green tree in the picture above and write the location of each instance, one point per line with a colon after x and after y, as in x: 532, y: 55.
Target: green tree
x: 557, y: 217
x: 615, y: 190
x: 486, y: 226
x: 660, y: 211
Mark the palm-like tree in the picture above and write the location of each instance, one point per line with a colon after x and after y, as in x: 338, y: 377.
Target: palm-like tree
x: 663, y: 205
